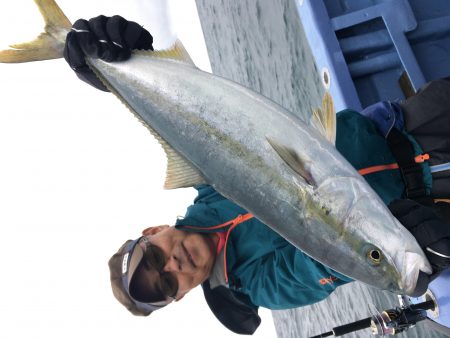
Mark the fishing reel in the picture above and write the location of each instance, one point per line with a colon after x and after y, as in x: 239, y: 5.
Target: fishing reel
x: 387, y: 323
x: 433, y: 307
x: 393, y: 321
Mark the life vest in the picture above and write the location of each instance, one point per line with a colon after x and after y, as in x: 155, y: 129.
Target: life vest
x: 424, y: 116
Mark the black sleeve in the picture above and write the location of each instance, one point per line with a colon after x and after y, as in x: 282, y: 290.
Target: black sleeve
x: 233, y: 309
x: 430, y: 230
x: 443, y: 210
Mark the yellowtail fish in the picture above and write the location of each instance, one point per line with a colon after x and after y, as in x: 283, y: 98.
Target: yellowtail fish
x: 283, y: 170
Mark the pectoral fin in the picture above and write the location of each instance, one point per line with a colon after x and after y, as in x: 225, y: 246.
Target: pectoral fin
x: 293, y: 160
x: 324, y: 119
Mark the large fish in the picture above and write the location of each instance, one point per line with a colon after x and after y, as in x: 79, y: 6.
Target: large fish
x: 254, y: 152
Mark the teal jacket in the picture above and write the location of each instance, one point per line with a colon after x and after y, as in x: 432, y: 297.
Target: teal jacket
x: 362, y: 144
x: 263, y: 265
x: 260, y: 263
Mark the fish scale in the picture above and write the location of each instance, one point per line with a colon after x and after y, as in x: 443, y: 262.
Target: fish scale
x: 254, y: 152
x: 338, y: 222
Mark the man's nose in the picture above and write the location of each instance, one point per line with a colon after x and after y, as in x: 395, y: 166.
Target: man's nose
x: 173, y: 263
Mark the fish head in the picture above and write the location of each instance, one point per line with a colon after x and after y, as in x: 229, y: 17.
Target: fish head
x: 388, y: 247
x: 370, y: 245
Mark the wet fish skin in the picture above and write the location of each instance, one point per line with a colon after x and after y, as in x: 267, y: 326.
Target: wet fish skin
x: 257, y: 154
x: 225, y: 131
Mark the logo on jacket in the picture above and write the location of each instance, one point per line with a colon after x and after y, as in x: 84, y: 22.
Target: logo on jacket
x: 326, y: 280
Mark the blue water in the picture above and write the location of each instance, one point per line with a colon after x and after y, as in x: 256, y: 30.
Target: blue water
x: 261, y: 44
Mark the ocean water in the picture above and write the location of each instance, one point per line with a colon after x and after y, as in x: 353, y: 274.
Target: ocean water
x: 261, y: 44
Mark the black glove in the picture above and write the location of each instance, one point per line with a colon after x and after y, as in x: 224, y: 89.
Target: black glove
x: 108, y: 38
x: 430, y: 231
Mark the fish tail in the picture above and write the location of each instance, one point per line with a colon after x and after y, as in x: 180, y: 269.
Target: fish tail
x: 49, y: 44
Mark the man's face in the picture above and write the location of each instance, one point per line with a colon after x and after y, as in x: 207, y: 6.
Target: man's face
x: 189, y: 256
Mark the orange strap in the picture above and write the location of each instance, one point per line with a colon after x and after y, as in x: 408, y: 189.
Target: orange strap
x: 234, y: 223
x: 443, y: 200
x: 370, y: 170
x: 237, y: 220
x: 377, y: 168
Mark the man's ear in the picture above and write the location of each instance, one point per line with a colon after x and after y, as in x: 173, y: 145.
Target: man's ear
x: 154, y: 230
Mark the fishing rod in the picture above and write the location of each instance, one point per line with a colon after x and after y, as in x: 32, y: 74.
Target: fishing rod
x: 388, y: 322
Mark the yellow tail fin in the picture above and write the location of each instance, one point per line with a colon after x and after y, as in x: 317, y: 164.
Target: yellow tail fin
x: 49, y: 44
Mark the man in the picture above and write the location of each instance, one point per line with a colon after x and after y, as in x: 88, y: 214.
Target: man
x: 239, y: 261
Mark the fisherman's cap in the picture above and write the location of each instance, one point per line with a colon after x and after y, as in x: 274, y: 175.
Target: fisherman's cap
x: 122, y: 266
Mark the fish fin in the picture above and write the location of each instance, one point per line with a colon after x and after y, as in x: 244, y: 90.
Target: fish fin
x: 48, y: 45
x: 175, y: 52
x: 324, y: 119
x: 316, y: 121
x: 293, y: 160
x: 180, y: 173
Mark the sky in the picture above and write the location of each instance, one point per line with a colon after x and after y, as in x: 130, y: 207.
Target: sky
x: 79, y: 175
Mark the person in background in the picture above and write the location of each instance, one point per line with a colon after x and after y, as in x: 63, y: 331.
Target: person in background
x: 240, y: 262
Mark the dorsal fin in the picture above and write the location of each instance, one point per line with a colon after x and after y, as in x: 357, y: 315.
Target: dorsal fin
x: 175, y: 52
x: 324, y: 119
x: 293, y: 160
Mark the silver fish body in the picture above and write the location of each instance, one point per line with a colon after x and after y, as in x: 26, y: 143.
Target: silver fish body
x: 227, y: 132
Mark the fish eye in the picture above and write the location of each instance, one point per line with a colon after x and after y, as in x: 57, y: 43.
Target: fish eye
x: 374, y: 256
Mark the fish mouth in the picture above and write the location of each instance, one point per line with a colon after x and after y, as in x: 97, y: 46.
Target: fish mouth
x: 414, y: 264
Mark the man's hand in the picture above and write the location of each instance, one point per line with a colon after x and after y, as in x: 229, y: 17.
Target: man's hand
x: 108, y: 38
x: 430, y: 231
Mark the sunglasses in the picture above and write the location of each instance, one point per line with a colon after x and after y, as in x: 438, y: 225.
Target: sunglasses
x: 154, y: 258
